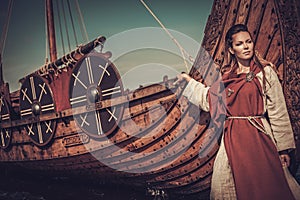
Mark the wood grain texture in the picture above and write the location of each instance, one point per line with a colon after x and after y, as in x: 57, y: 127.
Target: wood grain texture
x: 162, y: 142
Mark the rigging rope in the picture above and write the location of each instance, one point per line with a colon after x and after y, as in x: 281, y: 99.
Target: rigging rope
x: 60, y: 28
x: 5, y: 29
x: 62, y: 21
x: 71, y: 17
x: 182, y: 50
x: 46, y: 39
x: 67, y: 32
x: 82, y: 24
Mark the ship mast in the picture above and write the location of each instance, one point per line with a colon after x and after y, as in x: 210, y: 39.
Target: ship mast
x: 51, y: 31
x: 56, y: 64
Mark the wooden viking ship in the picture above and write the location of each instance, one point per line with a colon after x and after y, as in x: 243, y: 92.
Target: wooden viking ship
x: 73, y: 117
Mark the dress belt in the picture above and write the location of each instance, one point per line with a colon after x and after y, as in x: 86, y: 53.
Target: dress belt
x: 252, y: 120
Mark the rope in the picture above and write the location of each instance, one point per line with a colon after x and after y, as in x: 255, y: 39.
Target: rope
x: 46, y: 39
x: 256, y: 123
x: 182, y: 50
x: 5, y: 29
x: 82, y: 24
x: 66, y: 25
x: 60, y: 29
x: 245, y: 117
x: 72, y: 22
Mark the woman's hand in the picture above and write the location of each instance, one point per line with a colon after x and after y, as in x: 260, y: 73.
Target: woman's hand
x: 182, y: 77
x: 285, y: 160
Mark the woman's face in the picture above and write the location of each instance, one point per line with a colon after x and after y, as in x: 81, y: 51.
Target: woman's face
x: 242, y: 46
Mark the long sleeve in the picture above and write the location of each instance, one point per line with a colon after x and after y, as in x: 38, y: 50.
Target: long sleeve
x: 277, y: 112
x: 196, y: 93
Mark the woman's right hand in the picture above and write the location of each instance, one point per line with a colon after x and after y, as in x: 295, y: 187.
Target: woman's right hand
x: 182, y: 77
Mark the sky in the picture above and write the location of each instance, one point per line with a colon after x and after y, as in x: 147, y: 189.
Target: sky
x: 142, y: 51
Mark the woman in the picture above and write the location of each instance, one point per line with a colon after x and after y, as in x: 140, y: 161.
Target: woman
x: 257, y: 134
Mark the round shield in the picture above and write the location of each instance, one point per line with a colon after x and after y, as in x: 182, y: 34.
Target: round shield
x: 36, y: 100
x: 94, y: 80
x: 5, y: 134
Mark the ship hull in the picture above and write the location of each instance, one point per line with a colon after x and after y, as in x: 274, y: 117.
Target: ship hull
x: 158, y: 139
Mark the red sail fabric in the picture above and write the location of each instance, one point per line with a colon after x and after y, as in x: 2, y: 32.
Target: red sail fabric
x: 253, y: 157
x: 60, y: 88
